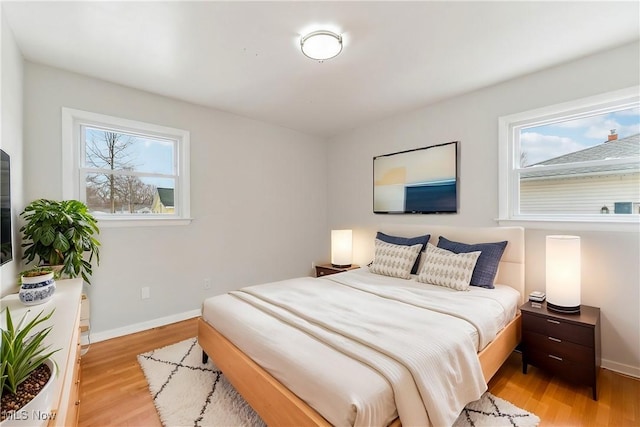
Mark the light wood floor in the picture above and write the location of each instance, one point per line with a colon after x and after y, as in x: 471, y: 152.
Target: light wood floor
x: 114, y: 391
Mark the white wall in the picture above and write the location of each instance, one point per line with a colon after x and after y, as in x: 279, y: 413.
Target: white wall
x: 611, y: 275
x: 11, y: 141
x: 258, y: 200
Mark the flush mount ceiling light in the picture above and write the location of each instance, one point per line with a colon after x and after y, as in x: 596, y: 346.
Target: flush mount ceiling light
x: 321, y: 45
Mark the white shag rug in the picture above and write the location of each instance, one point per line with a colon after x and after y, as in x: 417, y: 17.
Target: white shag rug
x: 189, y: 393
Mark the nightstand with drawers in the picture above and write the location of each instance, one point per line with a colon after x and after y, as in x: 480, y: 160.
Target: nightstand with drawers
x: 566, y: 345
x: 327, y: 269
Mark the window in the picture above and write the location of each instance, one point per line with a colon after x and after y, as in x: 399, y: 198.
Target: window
x: 577, y: 162
x: 126, y: 172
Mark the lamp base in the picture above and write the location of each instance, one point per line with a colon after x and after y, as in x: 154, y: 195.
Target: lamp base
x: 562, y: 309
x: 340, y: 265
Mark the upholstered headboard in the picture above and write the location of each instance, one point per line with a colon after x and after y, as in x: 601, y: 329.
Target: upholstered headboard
x: 511, y: 267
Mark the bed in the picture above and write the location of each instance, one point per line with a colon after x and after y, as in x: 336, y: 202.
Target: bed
x: 295, y: 378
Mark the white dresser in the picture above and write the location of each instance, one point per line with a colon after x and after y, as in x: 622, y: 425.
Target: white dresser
x: 65, y: 335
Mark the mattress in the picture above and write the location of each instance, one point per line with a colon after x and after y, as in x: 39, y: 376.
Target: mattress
x: 345, y: 390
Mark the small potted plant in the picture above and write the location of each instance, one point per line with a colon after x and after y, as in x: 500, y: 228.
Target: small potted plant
x: 27, y: 370
x: 61, y: 233
x: 37, y: 285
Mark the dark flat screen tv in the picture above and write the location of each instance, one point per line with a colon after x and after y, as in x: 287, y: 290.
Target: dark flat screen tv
x: 6, y: 249
x: 419, y: 181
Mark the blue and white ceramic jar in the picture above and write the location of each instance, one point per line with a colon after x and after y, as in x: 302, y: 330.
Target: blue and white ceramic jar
x: 37, y: 289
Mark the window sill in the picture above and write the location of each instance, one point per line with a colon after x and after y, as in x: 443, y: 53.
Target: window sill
x: 622, y: 224
x: 104, y: 222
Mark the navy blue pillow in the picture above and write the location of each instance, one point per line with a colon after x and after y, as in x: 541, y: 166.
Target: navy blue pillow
x: 406, y: 241
x: 487, y: 266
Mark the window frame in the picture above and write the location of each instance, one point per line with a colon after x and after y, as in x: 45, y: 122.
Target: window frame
x: 509, y: 162
x: 72, y: 166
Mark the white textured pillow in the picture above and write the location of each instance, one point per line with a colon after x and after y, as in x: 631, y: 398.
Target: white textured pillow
x: 394, y: 260
x: 445, y: 268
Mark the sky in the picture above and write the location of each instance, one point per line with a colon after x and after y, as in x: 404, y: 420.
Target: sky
x: 549, y: 141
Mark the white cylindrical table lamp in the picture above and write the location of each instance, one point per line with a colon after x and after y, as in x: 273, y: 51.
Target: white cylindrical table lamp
x: 341, y: 248
x: 563, y: 273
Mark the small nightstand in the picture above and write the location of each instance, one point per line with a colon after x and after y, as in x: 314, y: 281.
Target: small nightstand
x: 566, y: 345
x: 327, y: 269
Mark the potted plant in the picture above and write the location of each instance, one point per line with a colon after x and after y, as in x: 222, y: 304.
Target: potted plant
x: 27, y: 370
x: 61, y: 233
x: 37, y: 285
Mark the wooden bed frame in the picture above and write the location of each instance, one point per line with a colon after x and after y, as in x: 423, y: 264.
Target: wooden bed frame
x: 278, y: 406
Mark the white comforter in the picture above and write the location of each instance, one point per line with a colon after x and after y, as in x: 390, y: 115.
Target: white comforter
x: 416, y: 337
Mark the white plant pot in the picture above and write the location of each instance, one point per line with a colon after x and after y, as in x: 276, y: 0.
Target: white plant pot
x: 37, y: 290
x: 36, y: 413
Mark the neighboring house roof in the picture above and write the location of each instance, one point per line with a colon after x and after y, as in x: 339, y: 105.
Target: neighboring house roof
x: 622, y: 148
x: 166, y: 196
x: 616, y: 149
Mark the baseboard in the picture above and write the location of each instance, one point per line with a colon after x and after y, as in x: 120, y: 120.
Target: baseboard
x: 143, y: 326
x: 632, y: 371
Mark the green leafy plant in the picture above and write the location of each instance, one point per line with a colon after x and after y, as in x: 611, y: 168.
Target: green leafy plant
x: 22, y: 350
x: 59, y: 233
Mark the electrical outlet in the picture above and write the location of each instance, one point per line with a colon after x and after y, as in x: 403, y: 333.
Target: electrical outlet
x: 313, y: 265
x: 145, y: 293
x: 207, y: 283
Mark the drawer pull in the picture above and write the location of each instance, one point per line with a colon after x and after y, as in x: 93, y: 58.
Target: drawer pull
x: 77, y: 402
x: 554, y: 339
x: 555, y: 322
x: 555, y: 357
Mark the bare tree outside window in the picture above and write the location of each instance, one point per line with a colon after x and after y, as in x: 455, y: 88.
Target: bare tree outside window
x: 126, y: 171
x: 133, y: 192
x: 108, y: 150
x: 118, y: 180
